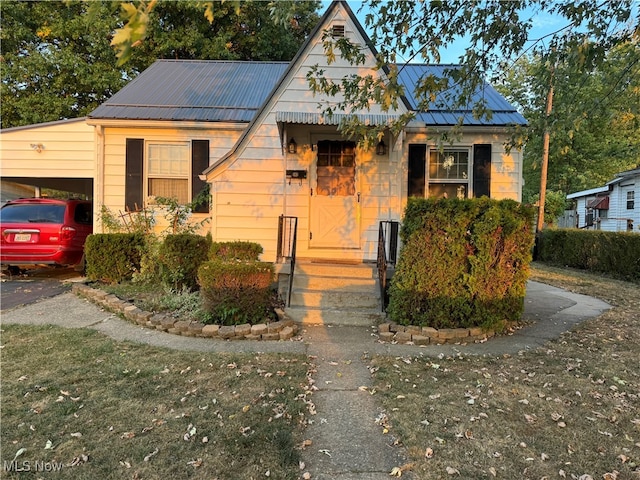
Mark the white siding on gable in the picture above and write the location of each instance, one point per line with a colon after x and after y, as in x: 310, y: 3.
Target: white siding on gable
x: 247, y: 208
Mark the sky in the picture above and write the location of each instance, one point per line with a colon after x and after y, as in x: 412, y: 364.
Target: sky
x: 543, y: 24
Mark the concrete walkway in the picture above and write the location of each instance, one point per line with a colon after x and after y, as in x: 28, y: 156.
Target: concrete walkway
x: 347, y: 438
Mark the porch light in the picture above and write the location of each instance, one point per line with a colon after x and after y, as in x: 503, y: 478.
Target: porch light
x: 381, y: 148
x: 292, y: 146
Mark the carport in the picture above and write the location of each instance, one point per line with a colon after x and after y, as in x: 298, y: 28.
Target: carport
x: 58, y: 155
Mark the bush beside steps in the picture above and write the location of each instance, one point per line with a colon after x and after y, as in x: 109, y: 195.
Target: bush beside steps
x: 283, y: 329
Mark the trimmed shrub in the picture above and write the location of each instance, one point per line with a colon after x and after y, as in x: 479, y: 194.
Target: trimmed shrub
x: 113, y: 257
x: 236, y: 292
x: 179, y: 257
x: 613, y: 253
x: 463, y: 263
x: 238, y: 251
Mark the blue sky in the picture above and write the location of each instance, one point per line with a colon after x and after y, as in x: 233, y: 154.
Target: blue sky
x: 543, y: 24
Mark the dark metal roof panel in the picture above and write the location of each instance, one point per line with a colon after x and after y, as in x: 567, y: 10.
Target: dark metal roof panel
x: 195, y: 90
x: 443, y: 111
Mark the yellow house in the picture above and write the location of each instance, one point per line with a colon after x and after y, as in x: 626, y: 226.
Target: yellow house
x: 254, y: 132
x: 256, y: 136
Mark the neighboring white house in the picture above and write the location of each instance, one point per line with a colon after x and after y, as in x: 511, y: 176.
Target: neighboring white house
x: 614, y: 207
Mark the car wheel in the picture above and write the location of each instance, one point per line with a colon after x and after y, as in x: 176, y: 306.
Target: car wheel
x: 14, y: 270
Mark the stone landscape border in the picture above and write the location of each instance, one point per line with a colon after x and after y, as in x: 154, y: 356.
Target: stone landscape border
x: 283, y: 329
x: 416, y: 335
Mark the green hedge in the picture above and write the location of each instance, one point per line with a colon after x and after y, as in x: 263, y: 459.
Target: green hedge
x: 113, y: 257
x: 238, y: 250
x: 614, y: 253
x: 236, y: 292
x: 463, y: 263
x: 179, y: 257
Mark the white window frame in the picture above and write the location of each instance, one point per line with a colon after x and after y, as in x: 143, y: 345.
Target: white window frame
x: 169, y: 174
x: 444, y: 153
x: 631, y: 200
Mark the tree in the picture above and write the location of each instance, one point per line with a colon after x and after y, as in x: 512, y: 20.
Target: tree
x: 58, y: 61
x: 497, y: 33
x: 595, y: 121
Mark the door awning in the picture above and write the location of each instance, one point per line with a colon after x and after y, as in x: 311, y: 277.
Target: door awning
x: 600, y: 203
x: 318, y: 118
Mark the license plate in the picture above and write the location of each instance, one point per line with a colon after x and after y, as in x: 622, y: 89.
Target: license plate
x: 22, y: 237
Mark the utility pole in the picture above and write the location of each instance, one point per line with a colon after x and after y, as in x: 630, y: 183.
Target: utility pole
x: 545, y: 155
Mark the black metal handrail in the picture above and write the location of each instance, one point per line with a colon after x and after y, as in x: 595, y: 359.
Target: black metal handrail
x: 287, y: 245
x: 387, y: 255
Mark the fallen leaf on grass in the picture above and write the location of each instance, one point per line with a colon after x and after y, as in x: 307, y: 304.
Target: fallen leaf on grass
x: 453, y: 471
x: 428, y: 453
x: 78, y: 461
x: 397, y: 471
x: 148, y: 457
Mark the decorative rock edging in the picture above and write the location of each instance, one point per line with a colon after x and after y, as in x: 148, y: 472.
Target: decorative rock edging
x: 416, y: 335
x: 283, y: 329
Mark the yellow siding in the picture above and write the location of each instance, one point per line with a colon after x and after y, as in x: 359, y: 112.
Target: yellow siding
x: 69, y: 150
x: 114, y: 154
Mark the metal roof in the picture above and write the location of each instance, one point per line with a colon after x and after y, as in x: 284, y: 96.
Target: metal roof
x: 234, y: 91
x: 442, y: 111
x: 208, y: 90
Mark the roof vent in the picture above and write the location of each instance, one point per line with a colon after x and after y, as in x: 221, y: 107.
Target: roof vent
x: 337, y: 31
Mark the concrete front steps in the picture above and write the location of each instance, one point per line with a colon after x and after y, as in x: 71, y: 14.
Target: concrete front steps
x: 334, y: 294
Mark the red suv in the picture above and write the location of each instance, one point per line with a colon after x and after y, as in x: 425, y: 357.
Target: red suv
x: 44, y: 231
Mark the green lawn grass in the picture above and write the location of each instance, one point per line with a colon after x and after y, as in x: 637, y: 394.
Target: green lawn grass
x: 100, y: 409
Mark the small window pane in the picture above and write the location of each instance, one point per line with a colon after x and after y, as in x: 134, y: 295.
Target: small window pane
x: 448, y: 190
x: 169, y: 159
x: 449, y: 164
x: 170, y: 188
x: 630, y: 200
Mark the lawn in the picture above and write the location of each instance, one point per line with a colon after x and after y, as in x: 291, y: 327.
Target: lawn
x: 94, y: 408
x: 77, y: 405
x: 568, y: 410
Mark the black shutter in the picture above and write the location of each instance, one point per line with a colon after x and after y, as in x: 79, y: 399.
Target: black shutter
x: 133, y: 181
x: 417, y: 170
x: 482, y: 170
x: 199, y: 163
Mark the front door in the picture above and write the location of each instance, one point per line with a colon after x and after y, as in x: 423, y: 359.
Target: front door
x: 334, y: 216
